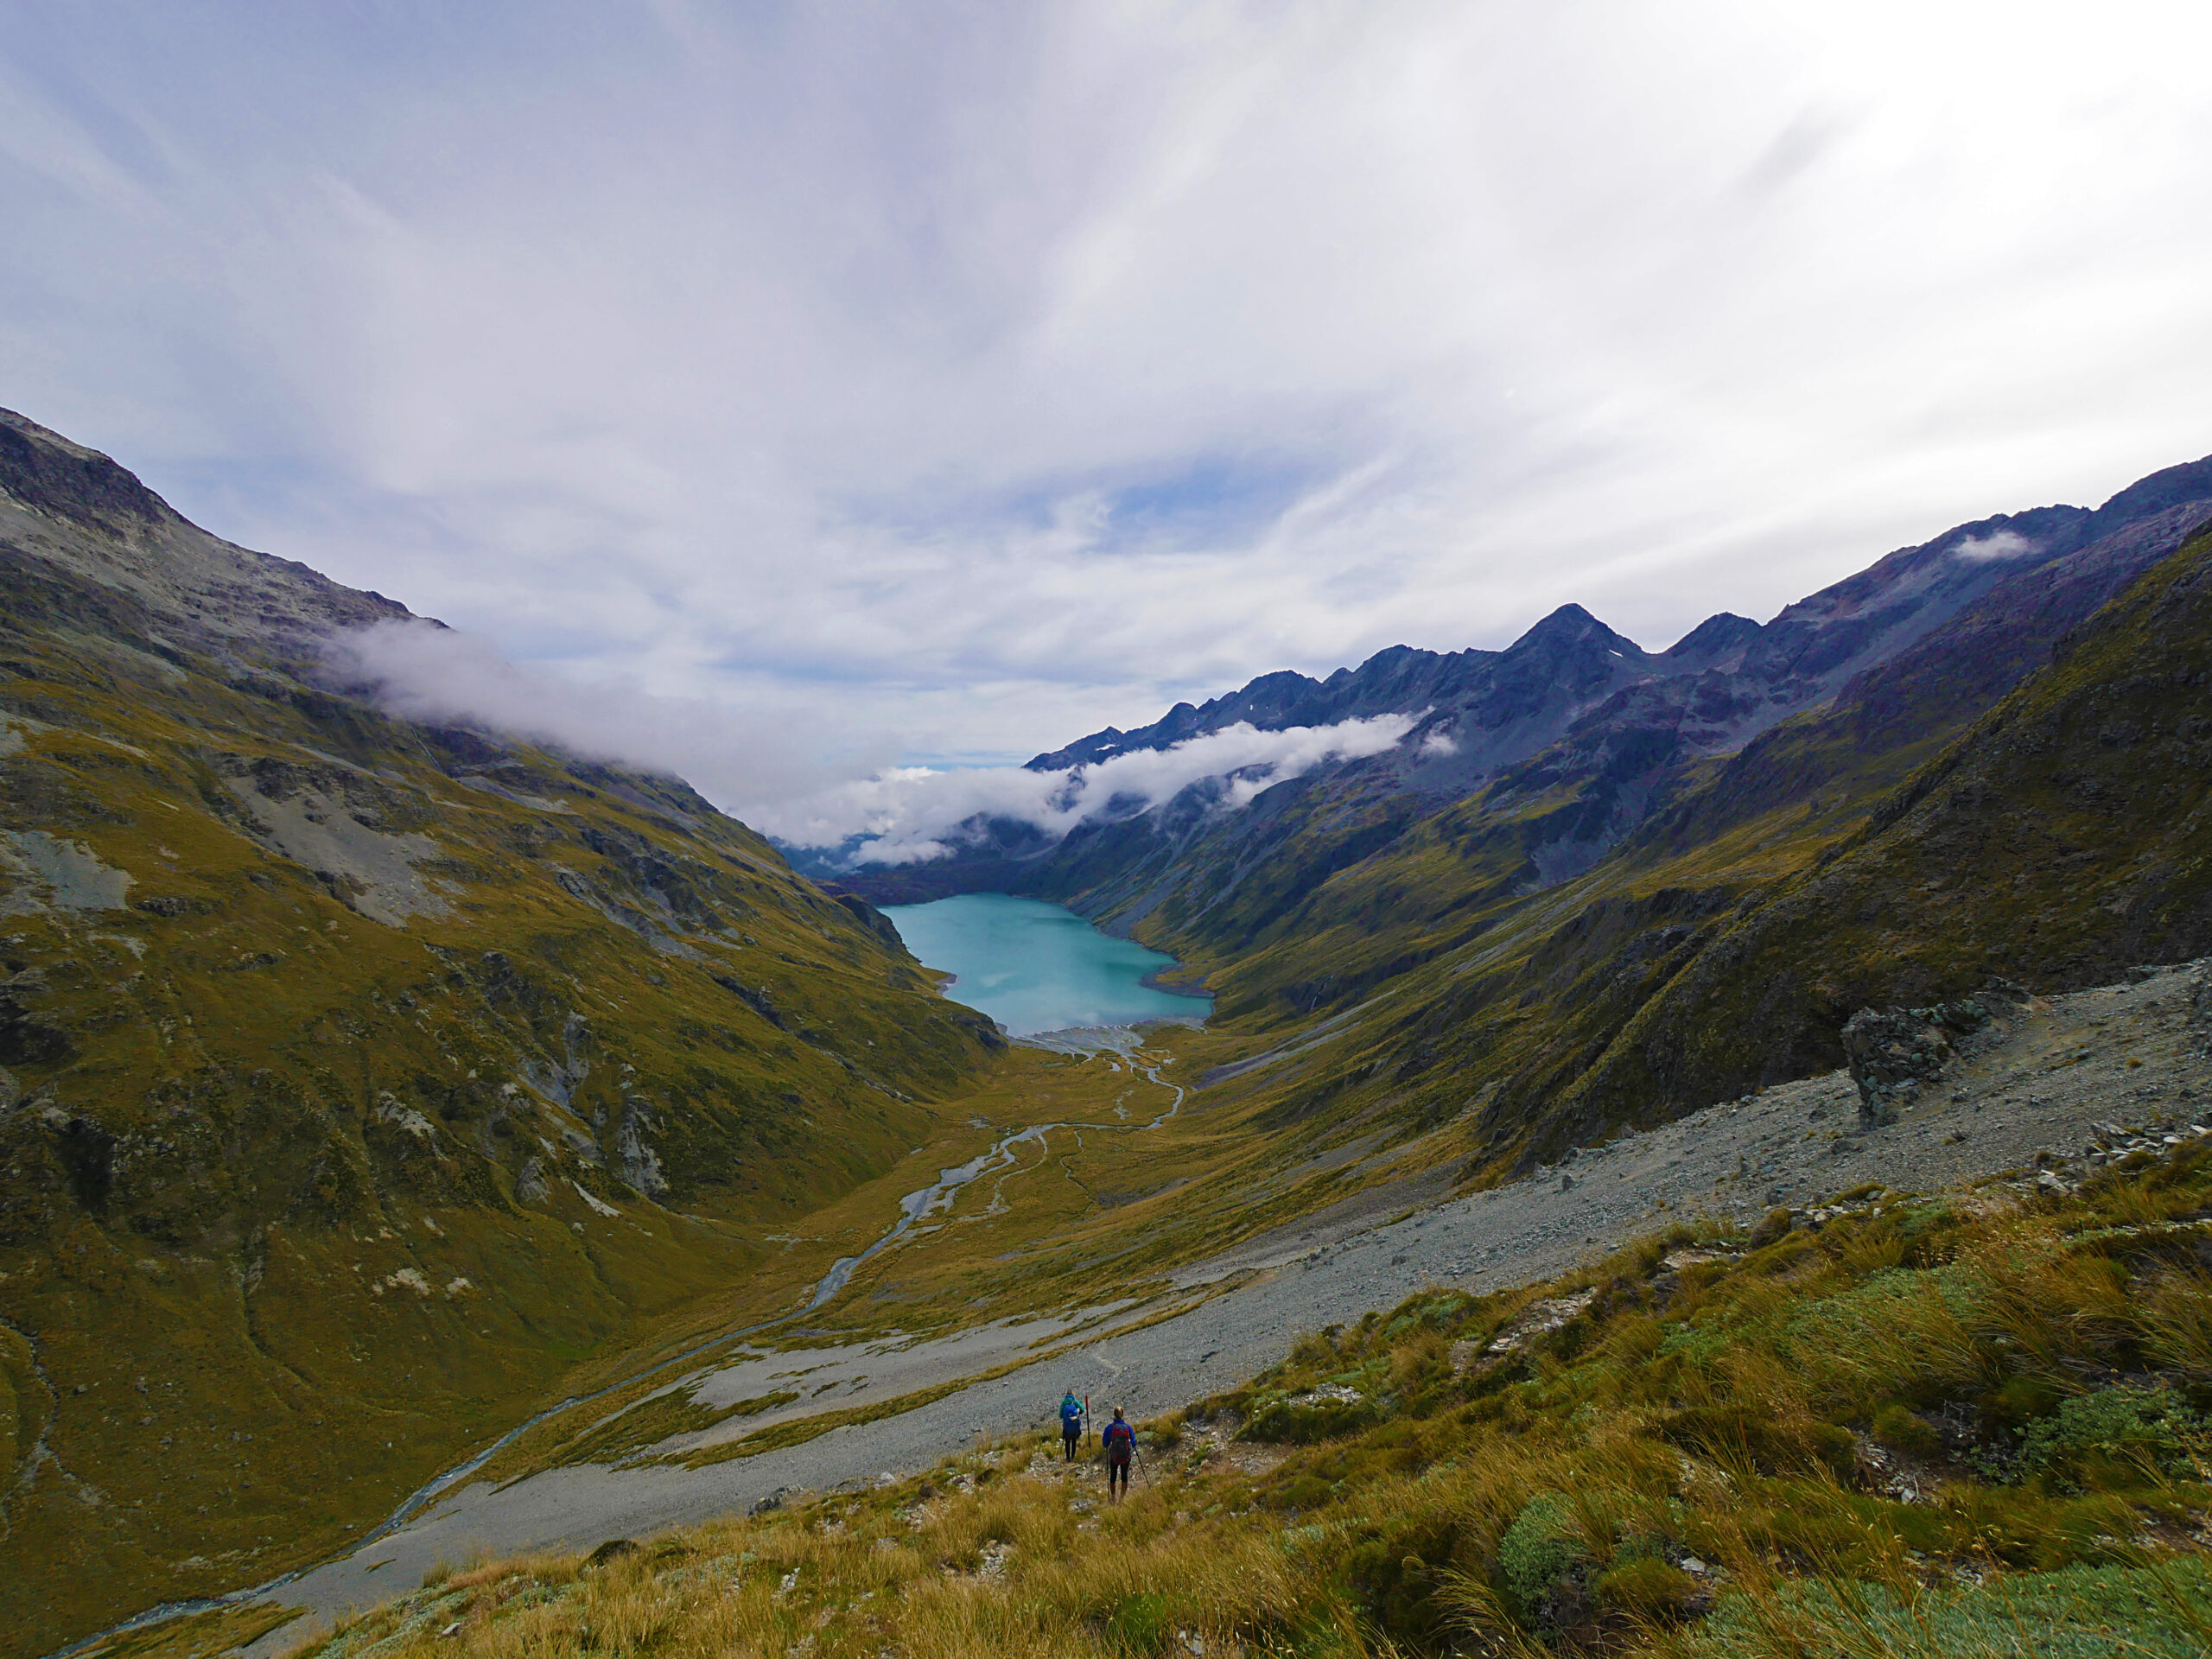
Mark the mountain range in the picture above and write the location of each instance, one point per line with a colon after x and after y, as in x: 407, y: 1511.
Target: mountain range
x: 1575, y: 828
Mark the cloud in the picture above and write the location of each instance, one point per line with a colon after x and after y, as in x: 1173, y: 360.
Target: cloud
x: 1997, y: 545
x: 909, y: 814
x: 745, y: 764
x: 804, y: 782
x: 980, y: 378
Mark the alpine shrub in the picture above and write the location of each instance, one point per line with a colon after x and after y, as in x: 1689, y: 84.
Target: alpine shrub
x: 2120, y: 1424
x: 1542, y: 1549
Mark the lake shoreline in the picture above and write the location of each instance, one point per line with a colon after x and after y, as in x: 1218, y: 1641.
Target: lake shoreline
x: 1032, y: 966
x: 1151, y: 981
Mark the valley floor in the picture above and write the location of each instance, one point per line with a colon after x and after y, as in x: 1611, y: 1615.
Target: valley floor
x: 2124, y: 1055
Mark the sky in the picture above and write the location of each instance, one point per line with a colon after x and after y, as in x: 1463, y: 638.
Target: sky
x: 804, y: 395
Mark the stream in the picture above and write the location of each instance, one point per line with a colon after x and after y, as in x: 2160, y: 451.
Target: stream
x: 939, y: 1195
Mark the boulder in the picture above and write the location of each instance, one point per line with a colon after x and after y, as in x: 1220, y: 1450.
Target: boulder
x: 1893, y: 1053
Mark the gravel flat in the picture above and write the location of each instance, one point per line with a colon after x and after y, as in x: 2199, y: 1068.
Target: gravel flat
x: 2125, y: 1054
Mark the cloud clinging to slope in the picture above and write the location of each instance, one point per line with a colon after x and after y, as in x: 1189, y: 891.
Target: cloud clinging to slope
x: 442, y: 676
x: 773, y: 774
x: 913, y: 813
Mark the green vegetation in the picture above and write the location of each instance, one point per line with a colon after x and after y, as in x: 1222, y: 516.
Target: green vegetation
x: 1605, y: 1487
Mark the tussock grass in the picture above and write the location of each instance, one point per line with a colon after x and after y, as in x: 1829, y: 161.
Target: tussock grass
x: 1904, y: 1436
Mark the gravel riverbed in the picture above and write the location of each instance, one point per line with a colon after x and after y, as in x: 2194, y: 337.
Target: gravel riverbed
x: 2124, y: 1055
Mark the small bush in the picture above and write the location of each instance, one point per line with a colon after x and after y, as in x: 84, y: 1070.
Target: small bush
x: 1645, y: 1587
x: 1737, y: 1431
x: 1139, y: 1624
x: 2115, y: 1431
x: 1284, y: 1424
x: 1541, y: 1554
x: 2018, y: 1401
x: 1897, y: 1425
x: 1303, y: 1492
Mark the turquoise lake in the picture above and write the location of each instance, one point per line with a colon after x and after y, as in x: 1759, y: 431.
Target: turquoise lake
x: 1033, y: 966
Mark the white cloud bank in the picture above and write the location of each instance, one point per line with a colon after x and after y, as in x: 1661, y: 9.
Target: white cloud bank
x: 914, y: 813
x: 745, y: 763
x: 784, y: 778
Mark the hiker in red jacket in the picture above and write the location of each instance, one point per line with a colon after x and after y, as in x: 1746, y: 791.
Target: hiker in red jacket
x: 1121, y: 1443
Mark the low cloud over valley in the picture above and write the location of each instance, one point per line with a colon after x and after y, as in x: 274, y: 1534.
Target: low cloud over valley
x: 797, y: 780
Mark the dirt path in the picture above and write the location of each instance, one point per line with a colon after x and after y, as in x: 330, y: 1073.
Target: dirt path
x: 2126, y: 1055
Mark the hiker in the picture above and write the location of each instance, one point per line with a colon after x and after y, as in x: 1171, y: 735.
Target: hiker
x: 1070, y: 1424
x: 1121, y: 1443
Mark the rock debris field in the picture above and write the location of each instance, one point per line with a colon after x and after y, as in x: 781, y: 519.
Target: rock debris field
x: 2038, y: 1101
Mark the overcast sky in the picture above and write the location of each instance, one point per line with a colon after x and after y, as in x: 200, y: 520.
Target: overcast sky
x: 949, y: 380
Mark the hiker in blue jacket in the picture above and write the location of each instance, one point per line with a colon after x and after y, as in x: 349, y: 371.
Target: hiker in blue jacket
x: 1121, y: 1443
x: 1070, y: 1424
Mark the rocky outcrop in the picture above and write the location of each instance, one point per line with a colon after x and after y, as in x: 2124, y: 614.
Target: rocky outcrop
x: 1893, y: 1053
x: 640, y: 1162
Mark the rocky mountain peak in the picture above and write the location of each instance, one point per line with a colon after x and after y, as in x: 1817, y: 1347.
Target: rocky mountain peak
x: 69, y: 510
x: 1712, y: 640
x: 45, y: 471
x: 1569, y: 626
x: 2169, y: 487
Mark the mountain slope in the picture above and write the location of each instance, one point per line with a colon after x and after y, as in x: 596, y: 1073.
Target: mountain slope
x: 1898, y: 656
x: 357, y: 1079
x: 2059, y: 840
x: 1624, y: 748
x: 2065, y: 837
x: 1732, y: 676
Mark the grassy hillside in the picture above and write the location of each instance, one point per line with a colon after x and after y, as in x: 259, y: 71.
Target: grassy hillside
x: 1937, y: 1427
x: 362, y: 1086
x: 2065, y: 837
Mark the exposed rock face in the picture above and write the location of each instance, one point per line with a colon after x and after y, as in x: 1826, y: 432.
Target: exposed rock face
x: 2200, y: 1006
x: 1894, y: 1053
x: 641, y: 1162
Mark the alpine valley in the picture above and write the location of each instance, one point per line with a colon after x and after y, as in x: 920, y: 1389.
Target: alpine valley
x: 374, y: 1091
